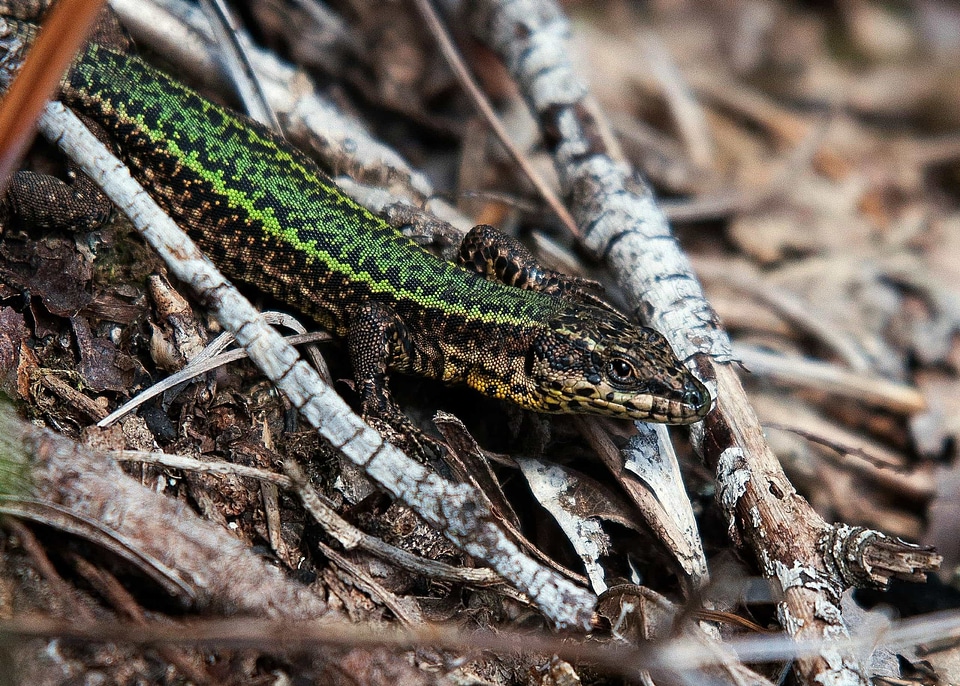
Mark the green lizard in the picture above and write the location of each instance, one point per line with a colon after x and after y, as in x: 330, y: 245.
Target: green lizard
x: 267, y: 216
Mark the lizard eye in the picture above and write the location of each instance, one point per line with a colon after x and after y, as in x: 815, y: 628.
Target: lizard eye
x: 621, y: 371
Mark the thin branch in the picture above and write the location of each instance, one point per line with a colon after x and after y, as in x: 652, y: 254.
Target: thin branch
x: 233, y: 44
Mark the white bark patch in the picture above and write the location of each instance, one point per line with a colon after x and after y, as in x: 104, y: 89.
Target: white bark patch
x: 552, y: 487
x: 733, y: 475
x: 650, y: 455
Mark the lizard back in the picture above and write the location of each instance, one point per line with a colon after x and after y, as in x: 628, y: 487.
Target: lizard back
x: 264, y: 211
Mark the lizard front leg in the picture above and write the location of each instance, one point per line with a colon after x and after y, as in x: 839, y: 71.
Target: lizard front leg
x: 499, y: 257
x: 379, y: 342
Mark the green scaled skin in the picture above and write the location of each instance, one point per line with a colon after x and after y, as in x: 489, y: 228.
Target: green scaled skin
x: 269, y: 217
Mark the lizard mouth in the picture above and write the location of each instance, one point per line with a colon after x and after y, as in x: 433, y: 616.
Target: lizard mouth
x: 686, y: 406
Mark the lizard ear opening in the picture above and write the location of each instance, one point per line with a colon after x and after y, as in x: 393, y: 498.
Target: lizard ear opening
x: 528, y: 361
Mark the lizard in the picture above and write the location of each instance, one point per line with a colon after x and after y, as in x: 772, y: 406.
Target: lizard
x: 268, y: 217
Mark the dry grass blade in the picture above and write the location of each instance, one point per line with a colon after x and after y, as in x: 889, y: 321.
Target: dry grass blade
x: 480, y: 101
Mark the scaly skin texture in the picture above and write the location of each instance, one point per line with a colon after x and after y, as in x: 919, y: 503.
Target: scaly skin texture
x: 269, y: 217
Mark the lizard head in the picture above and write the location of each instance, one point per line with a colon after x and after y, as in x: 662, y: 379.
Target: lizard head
x: 589, y: 362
